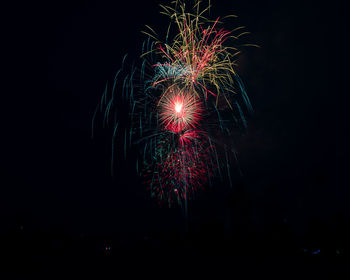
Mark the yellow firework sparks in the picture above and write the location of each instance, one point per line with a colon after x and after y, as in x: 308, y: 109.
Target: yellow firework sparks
x: 199, y: 50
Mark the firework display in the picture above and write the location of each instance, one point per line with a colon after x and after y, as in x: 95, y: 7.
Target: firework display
x: 179, y: 104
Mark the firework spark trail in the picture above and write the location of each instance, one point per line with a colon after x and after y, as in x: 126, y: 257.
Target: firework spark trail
x: 183, y: 101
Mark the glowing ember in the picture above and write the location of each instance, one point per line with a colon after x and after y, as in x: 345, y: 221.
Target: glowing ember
x: 178, y: 107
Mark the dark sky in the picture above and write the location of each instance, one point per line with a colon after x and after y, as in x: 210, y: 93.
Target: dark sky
x: 56, y: 178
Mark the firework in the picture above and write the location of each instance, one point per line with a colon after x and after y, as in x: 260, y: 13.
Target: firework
x: 179, y: 110
x: 179, y: 107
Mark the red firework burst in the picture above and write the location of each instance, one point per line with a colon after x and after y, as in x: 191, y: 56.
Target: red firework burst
x: 179, y: 110
x: 182, y: 171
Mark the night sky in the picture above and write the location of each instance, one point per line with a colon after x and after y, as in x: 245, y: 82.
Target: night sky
x: 58, y: 200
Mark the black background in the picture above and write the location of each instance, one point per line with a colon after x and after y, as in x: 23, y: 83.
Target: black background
x: 59, y: 204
